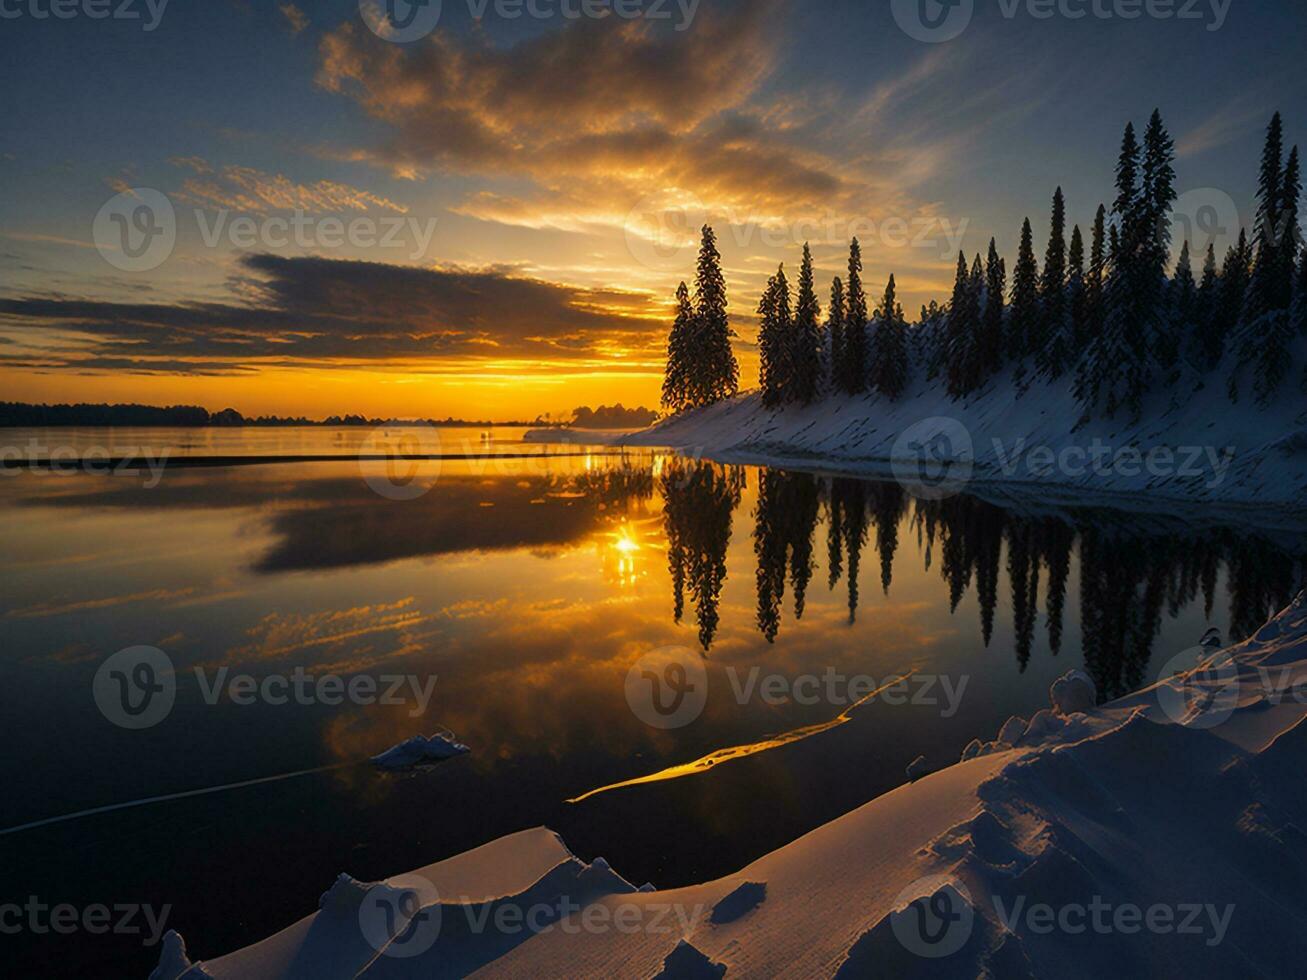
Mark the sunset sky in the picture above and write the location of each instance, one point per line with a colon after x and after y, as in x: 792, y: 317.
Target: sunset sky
x: 542, y: 180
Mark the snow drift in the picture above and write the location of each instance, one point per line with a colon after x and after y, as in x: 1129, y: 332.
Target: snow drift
x: 1158, y: 835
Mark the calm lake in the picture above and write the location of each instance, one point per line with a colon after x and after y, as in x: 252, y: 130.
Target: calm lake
x: 513, y: 596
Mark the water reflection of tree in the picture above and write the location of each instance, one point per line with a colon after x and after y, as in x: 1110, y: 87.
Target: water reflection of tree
x: 782, y: 539
x: 698, y: 501
x: 1132, y: 574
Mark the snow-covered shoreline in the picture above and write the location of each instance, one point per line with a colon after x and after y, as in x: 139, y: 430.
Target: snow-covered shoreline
x: 1035, y: 443
x: 1160, y: 832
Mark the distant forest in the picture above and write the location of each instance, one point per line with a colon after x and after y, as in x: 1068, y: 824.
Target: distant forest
x: 19, y: 414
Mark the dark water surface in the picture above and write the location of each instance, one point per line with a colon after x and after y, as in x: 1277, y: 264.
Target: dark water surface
x: 528, y: 588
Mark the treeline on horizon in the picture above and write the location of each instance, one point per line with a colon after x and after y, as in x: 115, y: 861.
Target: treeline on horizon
x: 20, y: 414
x: 1105, y: 313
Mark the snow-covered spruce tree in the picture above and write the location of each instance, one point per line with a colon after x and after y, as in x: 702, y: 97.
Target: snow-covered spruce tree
x: 775, y: 324
x: 833, y: 339
x: 1077, y: 298
x: 1263, y: 288
x: 1205, y: 340
x: 852, y: 368
x: 806, y: 339
x: 1300, y: 297
x: 1266, y: 329
x: 1052, y: 344
x: 1115, y: 369
x: 1096, y: 277
x: 928, y: 342
x: 1182, y: 303
x: 1235, y: 271
x: 991, y: 329
x: 962, y: 352
x: 889, y: 350
x: 676, y: 374
x: 1271, y: 355
x: 1023, y: 318
x: 715, y: 374
x: 1157, y: 199
x: 1290, y: 234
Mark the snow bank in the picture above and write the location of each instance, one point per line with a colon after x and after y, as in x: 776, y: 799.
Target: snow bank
x: 1159, y: 835
x: 1195, y: 445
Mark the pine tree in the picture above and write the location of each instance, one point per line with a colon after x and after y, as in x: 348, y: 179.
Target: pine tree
x: 1023, y: 321
x: 1207, y: 339
x: 676, y: 376
x: 835, y: 333
x: 1115, y: 370
x: 929, y: 341
x: 1290, y: 192
x: 1235, y: 273
x: 853, y: 367
x: 1271, y: 355
x: 806, y: 341
x: 1077, y: 298
x: 1299, y: 316
x: 1158, y: 189
x: 1267, y: 332
x: 1052, y: 347
x: 889, y: 352
x: 962, y: 353
x: 991, y: 331
x: 715, y: 372
x: 1261, y: 295
x: 775, y: 325
x: 1158, y: 198
x: 1183, y: 296
x: 1097, y: 276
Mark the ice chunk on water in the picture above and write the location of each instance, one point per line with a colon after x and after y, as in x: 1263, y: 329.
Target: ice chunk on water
x: 420, y: 751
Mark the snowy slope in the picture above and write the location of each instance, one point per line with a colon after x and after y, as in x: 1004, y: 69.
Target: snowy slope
x: 1220, y: 452
x: 1174, y: 812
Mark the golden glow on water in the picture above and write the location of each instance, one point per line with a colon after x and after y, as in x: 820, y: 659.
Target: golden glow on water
x: 706, y: 763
